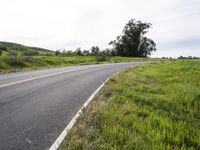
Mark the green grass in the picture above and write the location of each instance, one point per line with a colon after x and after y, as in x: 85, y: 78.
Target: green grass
x: 19, y: 48
x: 156, y: 106
x: 39, y: 62
x: 11, y: 64
x: 19, y: 57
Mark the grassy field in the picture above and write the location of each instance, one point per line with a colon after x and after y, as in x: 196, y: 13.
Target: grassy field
x: 156, y: 106
x: 12, y: 64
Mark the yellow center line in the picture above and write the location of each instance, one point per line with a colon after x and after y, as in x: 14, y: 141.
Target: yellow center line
x: 40, y: 77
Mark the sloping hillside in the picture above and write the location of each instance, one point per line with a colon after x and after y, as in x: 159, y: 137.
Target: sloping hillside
x: 18, y: 48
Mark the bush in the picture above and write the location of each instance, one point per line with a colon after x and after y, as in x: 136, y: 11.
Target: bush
x: 102, y: 57
x: 2, y: 48
x: 15, y: 60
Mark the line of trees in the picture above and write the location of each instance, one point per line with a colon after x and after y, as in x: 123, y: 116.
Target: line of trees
x: 102, y: 55
x: 132, y: 43
x: 189, y: 57
x: 94, y: 51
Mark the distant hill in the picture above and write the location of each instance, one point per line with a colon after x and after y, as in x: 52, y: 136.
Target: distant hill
x: 19, y: 48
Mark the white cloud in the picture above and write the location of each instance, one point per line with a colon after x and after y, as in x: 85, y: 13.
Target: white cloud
x: 70, y: 24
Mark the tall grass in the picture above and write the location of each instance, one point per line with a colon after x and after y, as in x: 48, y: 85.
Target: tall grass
x: 12, y: 63
x: 156, y: 106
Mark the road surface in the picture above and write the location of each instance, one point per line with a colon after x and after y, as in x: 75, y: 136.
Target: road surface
x: 36, y: 106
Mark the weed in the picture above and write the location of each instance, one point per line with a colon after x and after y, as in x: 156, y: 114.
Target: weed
x: 156, y: 106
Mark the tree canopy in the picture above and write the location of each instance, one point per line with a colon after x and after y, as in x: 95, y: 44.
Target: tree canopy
x: 95, y: 50
x: 133, y: 42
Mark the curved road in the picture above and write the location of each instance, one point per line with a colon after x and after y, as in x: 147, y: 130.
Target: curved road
x: 36, y: 106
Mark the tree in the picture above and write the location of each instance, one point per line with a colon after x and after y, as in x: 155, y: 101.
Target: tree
x: 132, y: 42
x: 57, y: 52
x: 78, y: 51
x: 95, y: 50
x: 181, y: 57
x: 110, y: 52
x: 103, y: 56
x: 86, y: 52
x: 3, y: 48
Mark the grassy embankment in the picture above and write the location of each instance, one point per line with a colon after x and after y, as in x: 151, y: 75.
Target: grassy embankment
x: 18, y: 57
x: 38, y: 62
x: 156, y: 106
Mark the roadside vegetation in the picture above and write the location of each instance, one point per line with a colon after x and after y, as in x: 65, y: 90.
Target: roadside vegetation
x: 132, y: 45
x: 155, y: 106
x: 13, y: 63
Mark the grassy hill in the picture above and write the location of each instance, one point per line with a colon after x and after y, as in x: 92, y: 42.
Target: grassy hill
x: 22, y: 49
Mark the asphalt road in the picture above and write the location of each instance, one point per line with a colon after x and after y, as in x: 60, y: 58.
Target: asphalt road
x: 36, y: 106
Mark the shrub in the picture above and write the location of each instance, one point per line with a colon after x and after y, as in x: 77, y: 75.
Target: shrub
x: 102, y: 57
x: 15, y: 60
x: 2, y: 48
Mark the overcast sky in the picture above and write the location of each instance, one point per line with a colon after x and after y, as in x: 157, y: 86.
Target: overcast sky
x: 70, y: 24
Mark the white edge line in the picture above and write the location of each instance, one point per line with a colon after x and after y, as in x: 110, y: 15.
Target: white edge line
x: 64, y: 133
